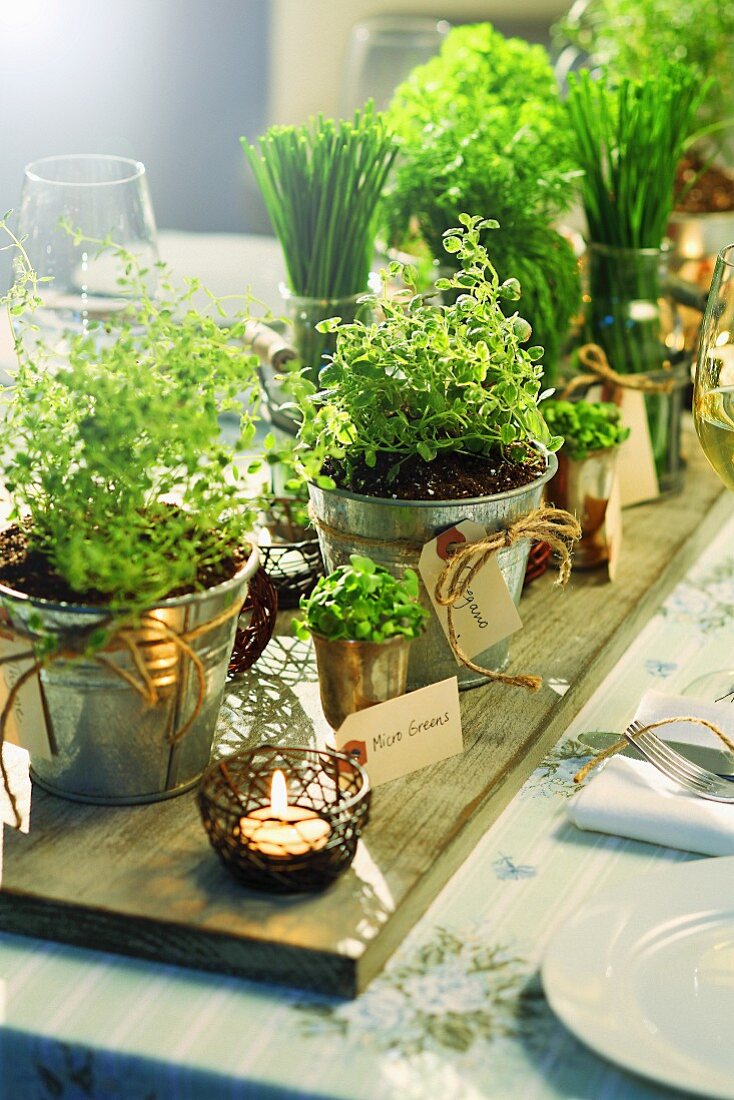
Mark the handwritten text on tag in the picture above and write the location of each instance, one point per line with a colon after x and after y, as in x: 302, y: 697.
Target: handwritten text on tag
x: 486, y: 612
x: 398, y: 737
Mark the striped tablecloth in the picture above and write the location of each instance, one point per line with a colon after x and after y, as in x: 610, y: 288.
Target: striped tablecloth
x: 457, y: 1013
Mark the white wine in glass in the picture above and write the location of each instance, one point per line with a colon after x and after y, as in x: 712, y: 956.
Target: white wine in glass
x: 713, y: 412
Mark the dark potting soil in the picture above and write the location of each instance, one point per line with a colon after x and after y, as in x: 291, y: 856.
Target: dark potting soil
x: 447, y: 477
x: 713, y: 191
x: 30, y: 572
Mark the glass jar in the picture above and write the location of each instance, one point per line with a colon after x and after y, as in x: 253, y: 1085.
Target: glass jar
x: 637, y: 324
x: 305, y: 313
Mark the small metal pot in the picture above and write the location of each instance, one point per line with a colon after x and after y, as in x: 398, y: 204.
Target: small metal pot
x: 114, y: 747
x: 583, y: 487
x: 392, y: 532
x: 356, y: 675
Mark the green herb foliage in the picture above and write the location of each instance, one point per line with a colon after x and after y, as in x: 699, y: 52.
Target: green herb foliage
x: 482, y: 128
x: 629, y: 139
x: 586, y: 426
x: 630, y: 37
x: 430, y: 378
x: 95, y: 445
x: 363, y: 602
x: 321, y: 183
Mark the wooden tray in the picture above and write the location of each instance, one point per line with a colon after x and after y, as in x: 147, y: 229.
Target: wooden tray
x: 143, y: 880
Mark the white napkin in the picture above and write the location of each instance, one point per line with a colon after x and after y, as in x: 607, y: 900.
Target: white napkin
x: 631, y: 798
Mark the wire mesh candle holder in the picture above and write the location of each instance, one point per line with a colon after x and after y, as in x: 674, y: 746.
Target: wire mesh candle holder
x: 290, y: 552
x: 285, y: 820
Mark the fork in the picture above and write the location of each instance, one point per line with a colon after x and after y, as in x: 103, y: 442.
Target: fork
x: 697, y: 780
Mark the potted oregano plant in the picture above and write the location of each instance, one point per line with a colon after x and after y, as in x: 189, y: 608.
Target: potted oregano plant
x: 321, y: 183
x: 592, y: 435
x: 362, y: 620
x: 482, y: 127
x: 127, y: 558
x: 429, y: 417
x: 629, y: 139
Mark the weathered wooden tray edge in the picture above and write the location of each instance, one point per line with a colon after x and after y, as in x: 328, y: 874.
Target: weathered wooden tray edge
x: 169, y: 943
x: 332, y: 972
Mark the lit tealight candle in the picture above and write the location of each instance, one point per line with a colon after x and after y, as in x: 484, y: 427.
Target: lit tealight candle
x: 279, y: 830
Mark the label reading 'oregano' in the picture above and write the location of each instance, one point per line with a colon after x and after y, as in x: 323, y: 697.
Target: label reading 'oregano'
x: 485, y: 613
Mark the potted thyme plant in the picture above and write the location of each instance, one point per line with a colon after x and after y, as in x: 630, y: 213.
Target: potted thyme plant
x: 127, y: 558
x: 429, y: 417
x: 321, y: 183
x: 629, y: 139
x: 482, y: 127
x: 592, y: 435
x: 362, y: 620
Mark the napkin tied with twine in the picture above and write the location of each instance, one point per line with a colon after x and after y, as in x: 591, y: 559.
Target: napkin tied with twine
x: 632, y: 799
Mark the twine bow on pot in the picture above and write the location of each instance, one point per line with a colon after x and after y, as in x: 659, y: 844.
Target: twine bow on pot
x: 126, y: 637
x: 594, y: 359
x: 546, y: 524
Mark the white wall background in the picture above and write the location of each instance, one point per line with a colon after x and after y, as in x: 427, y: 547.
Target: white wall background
x: 176, y: 82
x: 170, y: 82
x: 309, y: 41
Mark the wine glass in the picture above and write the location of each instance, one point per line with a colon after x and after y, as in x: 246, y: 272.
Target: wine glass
x: 713, y: 412
x: 101, y: 197
x: 382, y: 50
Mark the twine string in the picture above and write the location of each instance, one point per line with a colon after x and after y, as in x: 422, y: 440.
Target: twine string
x: 143, y: 683
x: 594, y: 359
x: 546, y: 524
x: 623, y: 743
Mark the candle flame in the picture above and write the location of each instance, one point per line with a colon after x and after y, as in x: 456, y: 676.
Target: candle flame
x: 278, y: 794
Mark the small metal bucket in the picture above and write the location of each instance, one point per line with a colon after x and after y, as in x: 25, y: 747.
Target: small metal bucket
x: 583, y: 487
x: 114, y: 747
x: 379, y: 527
x: 356, y: 675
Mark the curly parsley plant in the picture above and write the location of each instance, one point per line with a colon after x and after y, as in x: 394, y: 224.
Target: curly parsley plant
x: 586, y: 426
x: 363, y: 602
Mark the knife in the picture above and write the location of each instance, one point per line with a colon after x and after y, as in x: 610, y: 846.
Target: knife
x: 714, y: 760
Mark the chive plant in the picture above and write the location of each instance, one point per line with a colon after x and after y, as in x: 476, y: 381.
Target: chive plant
x: 629, y: 139
x: 321, y: 183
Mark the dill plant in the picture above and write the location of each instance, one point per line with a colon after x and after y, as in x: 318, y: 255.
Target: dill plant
x: 482, y: 128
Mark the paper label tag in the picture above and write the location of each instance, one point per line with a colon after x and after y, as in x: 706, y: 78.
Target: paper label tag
x: 26, y: 724
x: 404, y: 734
x: 613, y: 528
x: 638, y: 480
x: 486, y: 613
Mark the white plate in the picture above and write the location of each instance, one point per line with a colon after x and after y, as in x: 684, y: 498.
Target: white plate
x: 644, y: 975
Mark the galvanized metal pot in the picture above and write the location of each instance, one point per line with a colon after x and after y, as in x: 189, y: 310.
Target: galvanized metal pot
x: 389, y: 531
x: 114, y: 746
x: 356, y: 675
x: 583, y: 487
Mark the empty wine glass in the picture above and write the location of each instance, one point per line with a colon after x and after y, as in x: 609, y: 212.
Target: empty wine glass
x: 382, y: 50
x: 101, y: 197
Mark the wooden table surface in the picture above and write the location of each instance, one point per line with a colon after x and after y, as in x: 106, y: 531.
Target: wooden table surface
x: 143, y: 880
